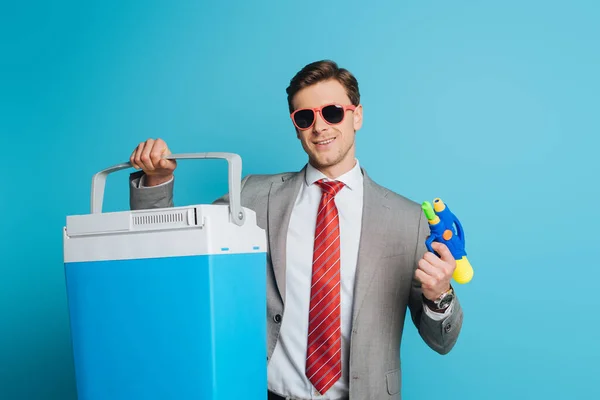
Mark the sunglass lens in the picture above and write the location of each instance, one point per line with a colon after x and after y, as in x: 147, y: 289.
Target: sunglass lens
x: 333, y: 114
x: 304, y: 118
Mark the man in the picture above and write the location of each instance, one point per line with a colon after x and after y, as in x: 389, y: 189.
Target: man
x: 347, y: 257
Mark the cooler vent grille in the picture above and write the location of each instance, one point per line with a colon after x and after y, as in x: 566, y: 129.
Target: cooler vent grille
x: 157, y: 219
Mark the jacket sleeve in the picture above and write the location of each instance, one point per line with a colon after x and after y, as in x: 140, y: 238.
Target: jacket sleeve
x: 143, y: 198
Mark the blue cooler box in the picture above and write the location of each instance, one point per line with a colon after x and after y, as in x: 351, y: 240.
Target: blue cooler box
x: 168, y: 303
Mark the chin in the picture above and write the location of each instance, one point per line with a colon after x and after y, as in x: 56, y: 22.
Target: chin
x: 322, y: 162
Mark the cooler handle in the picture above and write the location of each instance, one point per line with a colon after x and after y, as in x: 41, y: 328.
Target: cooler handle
x: 235, y: 176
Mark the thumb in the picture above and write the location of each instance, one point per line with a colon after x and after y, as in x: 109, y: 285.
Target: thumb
x: 166, y: 164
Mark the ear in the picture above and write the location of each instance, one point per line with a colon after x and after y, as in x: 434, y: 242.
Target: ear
x: 358, y: 117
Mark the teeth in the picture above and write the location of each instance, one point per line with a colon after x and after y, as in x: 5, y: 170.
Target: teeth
x: 326, y: 141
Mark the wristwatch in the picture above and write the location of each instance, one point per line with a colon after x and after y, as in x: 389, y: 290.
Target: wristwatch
x: 442, y: 302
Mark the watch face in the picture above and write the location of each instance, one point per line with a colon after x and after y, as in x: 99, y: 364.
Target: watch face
x: 446, y: 300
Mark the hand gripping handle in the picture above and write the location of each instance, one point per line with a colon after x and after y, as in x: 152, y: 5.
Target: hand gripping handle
x: 235, y: 176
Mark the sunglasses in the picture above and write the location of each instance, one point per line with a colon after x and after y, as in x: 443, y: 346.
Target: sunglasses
x: 333, y: 114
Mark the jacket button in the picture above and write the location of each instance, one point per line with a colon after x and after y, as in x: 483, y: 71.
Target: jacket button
x: 447, y: 328
x: 277, y: 318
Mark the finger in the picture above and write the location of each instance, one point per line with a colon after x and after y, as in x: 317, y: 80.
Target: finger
x: 431, y: 270
x: 433, y: 259
x: 138, y: 153
x: 443, y: 251
x: 426, y: 280
x: 145, y: 156
x: 132, y: 159
x: 157, y: 152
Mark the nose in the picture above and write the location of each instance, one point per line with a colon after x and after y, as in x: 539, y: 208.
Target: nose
x: 320, y: 125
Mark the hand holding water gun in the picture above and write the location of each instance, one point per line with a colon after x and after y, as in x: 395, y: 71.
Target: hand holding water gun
x: 441, y: 224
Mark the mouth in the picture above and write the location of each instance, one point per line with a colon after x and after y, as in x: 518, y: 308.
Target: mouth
x: 324, y: 142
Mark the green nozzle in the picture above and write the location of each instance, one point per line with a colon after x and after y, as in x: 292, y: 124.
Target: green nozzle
x: 428, y: 210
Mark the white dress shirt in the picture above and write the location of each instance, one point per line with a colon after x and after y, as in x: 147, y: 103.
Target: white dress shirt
x: 286, y: 372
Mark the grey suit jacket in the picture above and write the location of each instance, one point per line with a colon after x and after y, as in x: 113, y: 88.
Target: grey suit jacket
x: 392, y: 241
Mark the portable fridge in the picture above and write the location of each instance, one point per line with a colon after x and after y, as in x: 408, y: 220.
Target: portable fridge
x: 167, y: 303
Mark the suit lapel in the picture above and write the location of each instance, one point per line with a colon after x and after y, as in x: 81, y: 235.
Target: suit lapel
x: 373, y: 217
x: 282, y: 197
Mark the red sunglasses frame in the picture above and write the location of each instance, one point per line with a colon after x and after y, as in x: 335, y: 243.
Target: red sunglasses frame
x: 319, y: 110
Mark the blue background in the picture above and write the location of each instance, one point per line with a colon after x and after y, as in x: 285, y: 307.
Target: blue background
x: 491, y: 105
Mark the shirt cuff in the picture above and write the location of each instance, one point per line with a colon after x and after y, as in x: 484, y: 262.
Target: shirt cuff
x: 437, y: 316
x: 141, y: 184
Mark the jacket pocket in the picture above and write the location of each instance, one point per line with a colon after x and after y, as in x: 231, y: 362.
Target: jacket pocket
x: 393, y: 379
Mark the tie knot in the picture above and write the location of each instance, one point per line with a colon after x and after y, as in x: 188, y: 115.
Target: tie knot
x: 330, y: 187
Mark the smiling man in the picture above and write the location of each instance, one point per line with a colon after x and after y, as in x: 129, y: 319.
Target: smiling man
x: 347, y: 256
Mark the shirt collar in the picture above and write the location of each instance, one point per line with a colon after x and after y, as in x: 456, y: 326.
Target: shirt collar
x: 351, y: 179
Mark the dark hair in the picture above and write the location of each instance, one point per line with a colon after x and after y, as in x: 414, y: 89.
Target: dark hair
x: 319, y: 71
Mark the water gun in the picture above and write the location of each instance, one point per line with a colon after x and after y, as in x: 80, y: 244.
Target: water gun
x: 441, y: 224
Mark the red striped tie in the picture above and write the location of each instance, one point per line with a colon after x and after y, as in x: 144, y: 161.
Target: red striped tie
x: 323, y: 358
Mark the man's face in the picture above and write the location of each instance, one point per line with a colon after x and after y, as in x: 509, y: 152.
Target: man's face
x: 330, y: 148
